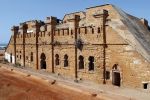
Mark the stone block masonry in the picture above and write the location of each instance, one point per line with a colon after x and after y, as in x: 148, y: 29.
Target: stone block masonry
x: 95, y: 45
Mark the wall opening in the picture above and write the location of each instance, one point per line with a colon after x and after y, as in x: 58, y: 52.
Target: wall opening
x: 65, y: 60
x: 81, y: 62
x: 145, y: 85
x: 116, y: 78
x: 91, y: 63
x: 71, y: 32
x: 11, y: 58
x: 92, y: 30
x: 56, y: 59
x: 98, y: 30
x: 116, y: 75
x: 20, y: 56
x: 31, y: 57
x: 43, y: 62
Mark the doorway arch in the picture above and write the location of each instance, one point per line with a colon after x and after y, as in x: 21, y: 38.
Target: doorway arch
x: 43, y: 62
x: 116, y: 77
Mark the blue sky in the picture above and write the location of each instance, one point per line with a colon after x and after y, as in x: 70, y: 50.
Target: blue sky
x: 13, y: 12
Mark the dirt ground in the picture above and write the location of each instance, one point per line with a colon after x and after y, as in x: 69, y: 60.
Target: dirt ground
x: 20, y: 87
x: 25, y: 84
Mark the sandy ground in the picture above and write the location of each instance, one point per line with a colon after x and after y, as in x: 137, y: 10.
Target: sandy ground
x: 20, y: 87
x: 26, y: 84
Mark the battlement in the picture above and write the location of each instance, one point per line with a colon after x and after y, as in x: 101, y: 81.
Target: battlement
x: 76, y: 23
x: 62, y: 32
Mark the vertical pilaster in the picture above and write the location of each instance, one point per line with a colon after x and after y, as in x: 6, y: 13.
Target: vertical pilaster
x: 51, y: 24
x: 36, y: 28
x: 76, y: 24
x: 105, y: 14
x: 14, y: 32
x: 52, y: 41
x: 24, y: 30
x: 36, y: 52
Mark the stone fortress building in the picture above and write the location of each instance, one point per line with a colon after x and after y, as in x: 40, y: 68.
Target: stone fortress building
x: 103, y: 44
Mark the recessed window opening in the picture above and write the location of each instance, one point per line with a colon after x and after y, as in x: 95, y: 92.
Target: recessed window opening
x: 65, y: 60
x: 81, y: 62
x: 91, y: 63
x: 56, y: 59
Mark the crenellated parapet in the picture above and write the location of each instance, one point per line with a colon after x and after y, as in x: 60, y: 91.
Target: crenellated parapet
x: 14, y: 30
x: 51, y: 23
x: 87, y: 25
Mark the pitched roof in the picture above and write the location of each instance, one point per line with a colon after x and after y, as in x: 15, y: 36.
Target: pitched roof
x: 135, y: 33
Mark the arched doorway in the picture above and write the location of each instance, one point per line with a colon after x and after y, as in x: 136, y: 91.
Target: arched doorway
x: 43, y: 62
x: 116, y: 78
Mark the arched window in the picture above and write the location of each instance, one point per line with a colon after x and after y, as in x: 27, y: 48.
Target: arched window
x: 98, y: 30
x: 43, y: 62
x: 71, y: 32
x: 81, y: 62
x: 11, y: 58
x: 85, y: 30
x: 56, y: 59
x: 92, y: 30
x: 91, y: 63
x: 65, y: 60
x: 31, y: 56
x: 20, y: 56
x: 68, y: 31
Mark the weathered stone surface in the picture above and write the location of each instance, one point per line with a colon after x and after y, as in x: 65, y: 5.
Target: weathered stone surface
x: 105, y: 36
